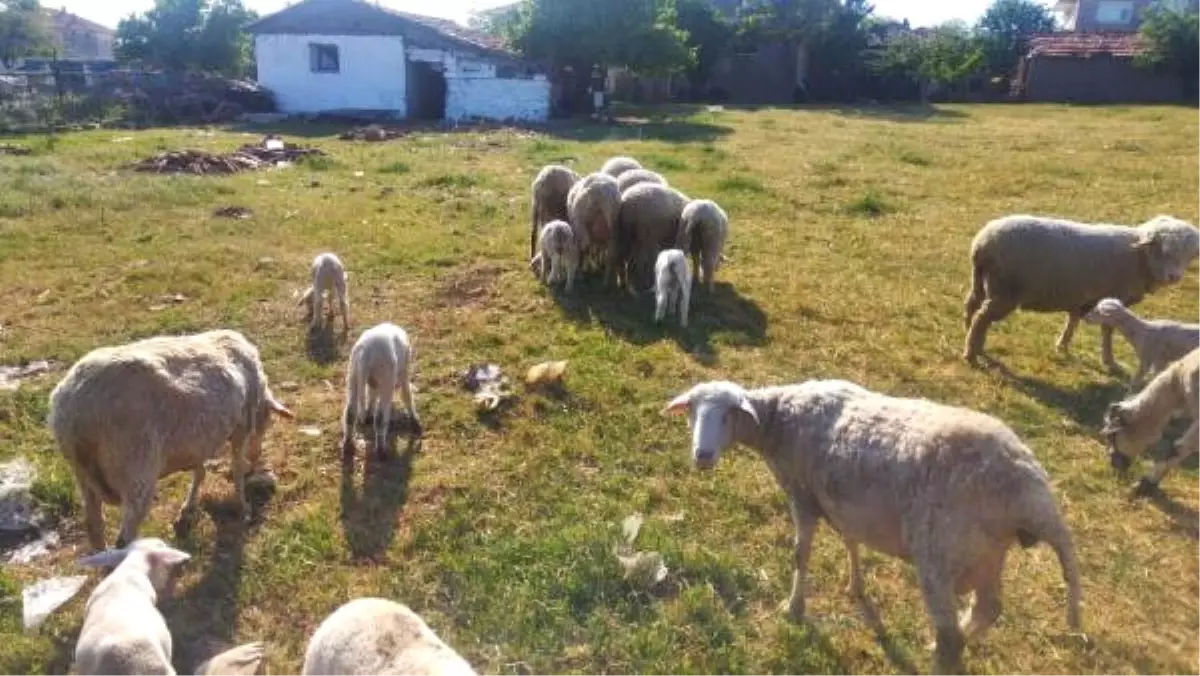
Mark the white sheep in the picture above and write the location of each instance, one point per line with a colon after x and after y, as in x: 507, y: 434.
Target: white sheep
x: 377, y: 636
x: 632, y: 177
x: 126, y: 416
x: 592, y: 207
x: 1157, y: 342
x: 946, y: 488
x: 549, y: 202
x: 703, y: 230
x: 328, y: 276
x: 1133, y: 425
x: 123, y: 632
x: 1048, y: 264
x: 615, y: 166
x: 647, y: 222
x: 381, y: 362
x: 559, y: 255
x: 672, y: 285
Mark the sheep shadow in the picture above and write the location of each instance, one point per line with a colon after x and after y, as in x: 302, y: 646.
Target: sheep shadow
x: 369, y: 518
x: 894, y: 652
x: 321, y: 343
x: 908, y: 113
x: 738, y: 320
x: 1085, y: 405
x: 1184, y: 519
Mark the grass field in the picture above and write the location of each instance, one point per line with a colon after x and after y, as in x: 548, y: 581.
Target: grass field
x: 850, y: 230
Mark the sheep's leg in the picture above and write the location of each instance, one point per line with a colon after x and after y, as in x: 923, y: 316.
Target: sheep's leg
x: 133, y: 512
x: 545, y: 268
x: 709, y: 269
x: 685, y: 299
x: 570, y: 266
x: 1187, y: 446
x: 383, y: 417
x: 985, y: 610
x: 855, y: 586
x: 344, y: 304
x: 318, y: 318
x: 187, y: 512
x: 1064, y: 339
x: 1135, y: 383
x: 660, y: 306
x: 1106, y: 349
x: 806, y: 528
x: 939, y: 602
x: 974, y: 298
x: 991, y: 311
x: 409, y: 407
x: 239, y: 473
x: 349, y: 420
x: 93, y: 511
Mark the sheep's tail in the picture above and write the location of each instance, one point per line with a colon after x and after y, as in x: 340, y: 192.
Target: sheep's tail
x: 1052, y: 529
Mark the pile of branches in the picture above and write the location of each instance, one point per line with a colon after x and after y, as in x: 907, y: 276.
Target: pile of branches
x: 270, y: 152
x: 371, y: 132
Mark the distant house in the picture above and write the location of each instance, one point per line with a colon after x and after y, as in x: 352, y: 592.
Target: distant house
x: 80, y: 39
x: 354, y: 56
x: 1110, y: 16
x: 1091, y: 68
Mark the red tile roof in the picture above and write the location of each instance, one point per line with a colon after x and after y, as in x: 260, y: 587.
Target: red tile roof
x: 1085, y: 44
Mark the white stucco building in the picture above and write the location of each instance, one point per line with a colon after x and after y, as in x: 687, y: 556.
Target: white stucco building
x: 351, y: 55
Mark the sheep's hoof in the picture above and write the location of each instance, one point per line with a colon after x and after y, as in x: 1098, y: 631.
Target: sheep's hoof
x: 793, y: 609
x: 856, y: 590
x: 1145, y: 488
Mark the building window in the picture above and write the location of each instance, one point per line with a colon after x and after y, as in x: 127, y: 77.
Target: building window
x: 323, y: 58
x: 1114, y: 12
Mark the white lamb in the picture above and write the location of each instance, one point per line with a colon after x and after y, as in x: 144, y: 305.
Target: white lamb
x: 126, y: 416
x: 703, y: 230
x: 948, y: 489
x: 559, y: 255
x: 672, y: 285
x: 377, y: 636
x: 123, y: 632
x: 328, y: 276
x: 1158, y: 342
x: 380, y: 362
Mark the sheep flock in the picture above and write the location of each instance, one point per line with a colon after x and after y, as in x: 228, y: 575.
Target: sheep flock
x: 946, y: 489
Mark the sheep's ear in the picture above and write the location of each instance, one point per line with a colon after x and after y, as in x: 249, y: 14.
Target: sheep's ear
x: 304, y: 298
x: 746, y: 406
x: 1146, y: 240
x: 1114, y: 418
x: 108, y: 558
x: 678, y: 406
x: 167, y: 557
x: 279, y: 408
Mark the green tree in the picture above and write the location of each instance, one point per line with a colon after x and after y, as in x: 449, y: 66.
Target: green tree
x: 23, y: 31
x: 187, y: 35
x: 1005, y: 29
x: 945, y: 56
x: 709, y: 36
x: 1171, y: 40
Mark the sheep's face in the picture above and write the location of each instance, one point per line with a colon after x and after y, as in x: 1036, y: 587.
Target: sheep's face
x: 712, y: 410
x: 1126, y: 442
x: 1170, y: 245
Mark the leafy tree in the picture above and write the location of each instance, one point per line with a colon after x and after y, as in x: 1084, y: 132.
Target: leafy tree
x: 23, y: 31
x: 944, y: 56
x: 183, y: 35
x: 709, y: 36
x: 495, y: 21
x: 1172, y: 45
x: 1005, y: 29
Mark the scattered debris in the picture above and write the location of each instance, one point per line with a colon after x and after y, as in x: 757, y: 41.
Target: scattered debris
x: 309, y: 431
x: 265, y: 262
x: 168, y: 300
x: 17, y: 512
x: 11, y: 376
x: 9, y: 149
x: 642, y: 569
x: 631, y: 526
x: 371, y: 132
x: 270, y: 152
x: 45, y: 596
x: 546, y: 373
x: 241, y: 213
x: 35, y: 549
x: 490, y: 385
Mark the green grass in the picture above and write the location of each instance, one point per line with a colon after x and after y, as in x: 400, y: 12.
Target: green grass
x: 500, y: 532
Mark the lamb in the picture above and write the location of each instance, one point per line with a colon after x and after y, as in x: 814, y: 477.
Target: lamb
x: 550, y: 189
x: 377, y: 636
x: 1133, y: 425
x: 328, y: 276
x: 1158, y: 342
x: 615, y: 166
x: 703, y: 229
x: 126, y: 416
x: 559, y: 257
x: 380, y: 362
x: 592, y: 207
x: 946, y: 488
x: 633, y: 177
x: 1048, y: 264
x: 672, y: 285
x: 647, y: 222
x: 123, y: 632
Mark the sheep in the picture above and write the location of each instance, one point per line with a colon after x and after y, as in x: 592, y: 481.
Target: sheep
x: 550, y: 188
x: 647, y: 222
x: 244, y: 660
x: 126, y: 416
x: 378, y: 636
x: 615, y: 166
x: 672, y: 285
x: 633, y: 177
x: 380, y: 362
x: 703, y: 229
x: 328, y: 276
x: 1048, y: 264
x: 559, y: 257
x: 1157, y: 342
x: 947, y: 489
x: 592, y: 207
x: 123, y: 632
x: 1133, y: 425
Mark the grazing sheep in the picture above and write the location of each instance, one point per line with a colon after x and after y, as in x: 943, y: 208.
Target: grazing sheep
x: 647, y: 223
x: 123, y: 632
x: 377, y: 636
x: 559, y: 257
x: 328, y: 276
x: 1047, y: 264
x: 1133, y: 425
x: 592, y: 207
x: 126, y: 416
x: 380, y: 362
x: 244, y: 660
x: 946, y: 488
x: 1158, y: 342
x: 550, y: 189
x: 633, y: 177
x: 615, y: 166
x: 703, y: 229
x: 672, y: 285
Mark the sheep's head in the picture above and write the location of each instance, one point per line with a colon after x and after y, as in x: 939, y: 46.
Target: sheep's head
x: 268, y: 408
x: 1125, y: 438
x: 155, y: 558
x: 1170, y: 245
x: 1108, y: 307
x: 713, y: 409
